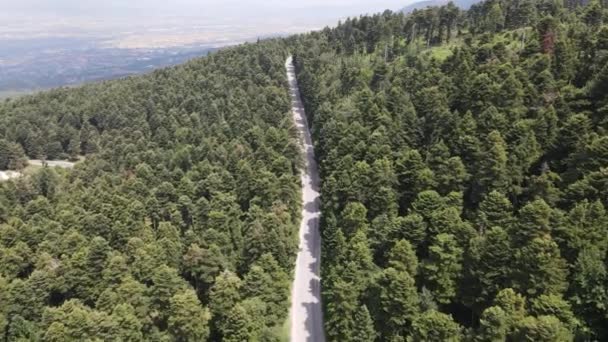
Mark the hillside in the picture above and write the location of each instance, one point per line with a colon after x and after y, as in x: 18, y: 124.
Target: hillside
x: 180, y: 225
x: 463, y: 162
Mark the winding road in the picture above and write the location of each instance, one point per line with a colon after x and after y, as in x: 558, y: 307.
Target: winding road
x: 306, y: 314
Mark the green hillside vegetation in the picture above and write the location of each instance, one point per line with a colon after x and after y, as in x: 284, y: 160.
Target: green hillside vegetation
x: 181, y: 223
x: 464, y: 165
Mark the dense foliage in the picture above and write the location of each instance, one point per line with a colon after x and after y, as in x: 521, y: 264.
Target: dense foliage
x: 464, y: 166
x: 180, y: 225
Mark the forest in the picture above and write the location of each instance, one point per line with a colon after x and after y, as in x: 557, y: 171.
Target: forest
x: 181, y: 223
x: 464, y: 166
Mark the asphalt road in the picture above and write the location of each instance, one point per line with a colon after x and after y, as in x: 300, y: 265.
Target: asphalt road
x: 306, y: 313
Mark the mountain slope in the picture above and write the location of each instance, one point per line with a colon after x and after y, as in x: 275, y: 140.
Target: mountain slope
x: 181, y: 223
x: 462, y: 158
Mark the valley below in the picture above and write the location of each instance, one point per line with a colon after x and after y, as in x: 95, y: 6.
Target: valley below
x: 71, y: 61
x: 50, y: 53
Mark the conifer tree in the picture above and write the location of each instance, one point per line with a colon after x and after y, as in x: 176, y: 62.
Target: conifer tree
x: 488, y: 266
x: 397, y: 303
x: 341, y: 308
x: 403, y: 258
x: 364, y: 324
x: 493, y: 169
x: 435, y: 326
x: 188, y: 321
x: 224, y: 295
x: 238, y: 325
x: 540, y: 268
x: 493, y: 325
x: 442, y: 269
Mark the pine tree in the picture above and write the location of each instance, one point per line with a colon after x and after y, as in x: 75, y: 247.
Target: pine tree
x: 435, y: 326
x: 342, y: 302
x: 224, y: 295
x: 403, y: 258
x: 427, y: 203
x: 267, y: 281
x: 411, y: 228
x: 493, y: 325
x: 188, y: 321
x: 493, y: 167
x: 540, y: 268
x: 406, y: 120
x: 589, y: 292
x: 488, y: 266
x: 238, y: 325
x: 397, y: 302
x: 534, y: 222
x: 413, y: 177
x: 449, y: 221
x: 495, y: 211
x: 442, y: 269
x: 354, y: 219
x: 513, y: 305
x: 95, y: 265
x: 204, y: 265
x: 545, y: 127
x: 543, y: 329
x: 495, y: 20
x: 115, y: 270
x: 491, y: 120
x: 364, y: 326
x: 554, y: 305
x: 128, y: 327
x: 4, y: 154
x: 166, y: 283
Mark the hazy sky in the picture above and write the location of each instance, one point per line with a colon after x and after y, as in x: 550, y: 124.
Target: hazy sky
x: 143, y: 23
x: 242, y: 8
